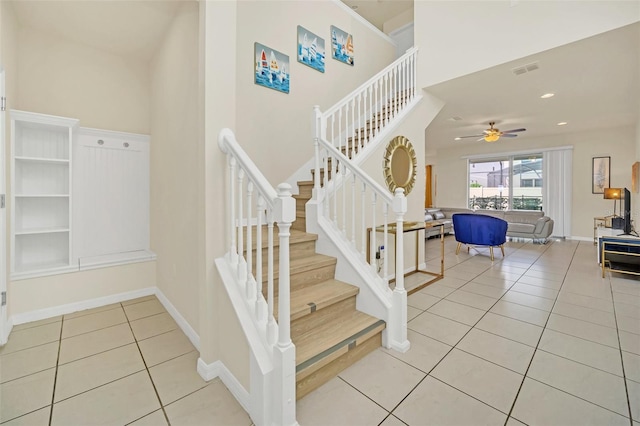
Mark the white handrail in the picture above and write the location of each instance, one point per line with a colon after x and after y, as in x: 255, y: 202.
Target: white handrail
x: 253, y: 204
x: 409, y: 53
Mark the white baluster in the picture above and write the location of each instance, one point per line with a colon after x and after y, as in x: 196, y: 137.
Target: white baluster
x: 240, y: 227
x: 250, y: 285
x: 353, y: 211
x: 373, y: 238
x: 385, y: 241
x: 377, y: 115
x: 232, y: 210
x: 363, y: 221
x: 370, y: 112
x: 344, y: 201
x: 272, y: 326
x: 260, y: 314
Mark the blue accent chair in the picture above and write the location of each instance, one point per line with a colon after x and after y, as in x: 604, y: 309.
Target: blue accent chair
x: 479, y: 230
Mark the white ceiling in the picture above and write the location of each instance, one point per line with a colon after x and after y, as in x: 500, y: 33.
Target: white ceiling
x: 126, y: 28
x: 596, y: 82
x: 379, y: 11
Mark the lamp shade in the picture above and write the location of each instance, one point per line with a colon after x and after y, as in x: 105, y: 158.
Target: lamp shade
x: 612, y: 193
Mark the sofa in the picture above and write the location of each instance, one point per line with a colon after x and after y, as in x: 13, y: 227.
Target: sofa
x: 432, y: 215
x: 521, y: 223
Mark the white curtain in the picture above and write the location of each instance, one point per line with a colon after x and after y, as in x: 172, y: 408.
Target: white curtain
x: 556, y: 201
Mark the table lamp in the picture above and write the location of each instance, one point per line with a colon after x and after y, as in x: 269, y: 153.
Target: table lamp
x: 613, y: 194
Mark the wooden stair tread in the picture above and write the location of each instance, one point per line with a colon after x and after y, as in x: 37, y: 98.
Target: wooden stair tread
x: 333, y: 335
x: 307, y: 300
x: 296, y: 237
x: 304, y: 264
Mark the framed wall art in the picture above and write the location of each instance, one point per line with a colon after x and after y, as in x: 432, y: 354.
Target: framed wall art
x: 271, y: 68
x: 341, y: 45
x: 635, y: 175
x: 310, y: 49
x: 600, y: 176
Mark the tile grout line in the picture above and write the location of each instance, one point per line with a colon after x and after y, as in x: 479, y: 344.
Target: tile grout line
x: 144, y: 361
x: 55, y: 376
x: 454, y: 347
x: 624, y: 376
x: 513, y: 404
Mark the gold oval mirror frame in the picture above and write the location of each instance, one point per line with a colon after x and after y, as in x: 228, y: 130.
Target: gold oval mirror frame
x: 400, y: 165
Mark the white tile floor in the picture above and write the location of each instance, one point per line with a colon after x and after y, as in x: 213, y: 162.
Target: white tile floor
x: 536, y: 338
x: 115, y: 365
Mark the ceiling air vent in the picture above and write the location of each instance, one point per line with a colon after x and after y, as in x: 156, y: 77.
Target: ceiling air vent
x: 525, y: 68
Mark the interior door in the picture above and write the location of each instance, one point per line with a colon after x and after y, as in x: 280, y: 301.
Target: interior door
x: 4, y: 324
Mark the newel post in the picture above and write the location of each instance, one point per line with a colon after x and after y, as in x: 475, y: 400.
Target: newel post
x: 398, y: 317
x: 284, y: 351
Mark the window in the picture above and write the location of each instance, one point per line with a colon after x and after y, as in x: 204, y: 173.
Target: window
x: 509, y: 182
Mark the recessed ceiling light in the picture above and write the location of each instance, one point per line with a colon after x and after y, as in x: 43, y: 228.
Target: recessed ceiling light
x: 548, y: 95
x: 562, y: 123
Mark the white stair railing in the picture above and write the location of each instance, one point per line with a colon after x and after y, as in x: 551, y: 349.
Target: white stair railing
x: 366, y: 111
x: 254, y: 207
x: 356, y: 201
x: 349, y: 201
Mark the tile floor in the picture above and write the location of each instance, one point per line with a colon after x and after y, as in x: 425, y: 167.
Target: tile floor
x: 536, y: 338
x: 126, y: 363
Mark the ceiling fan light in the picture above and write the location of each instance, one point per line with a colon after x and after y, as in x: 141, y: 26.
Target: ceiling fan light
x: 491, y: 137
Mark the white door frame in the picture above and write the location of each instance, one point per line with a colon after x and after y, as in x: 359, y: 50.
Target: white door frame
x: 5, y: 325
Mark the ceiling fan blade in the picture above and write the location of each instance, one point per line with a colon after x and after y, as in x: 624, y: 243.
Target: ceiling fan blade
x: 508, y: 135
x: 472, y: 136
x: 514, y: 130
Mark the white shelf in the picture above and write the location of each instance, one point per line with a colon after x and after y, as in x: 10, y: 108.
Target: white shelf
x: 41, y: 188
x: 40, y: 231
x: 42, y: 195
x: 42, y: 160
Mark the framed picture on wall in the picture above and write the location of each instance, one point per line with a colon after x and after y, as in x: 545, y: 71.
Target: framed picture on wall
x: 271, y: 68
x: 310, y: 49
x: 341, y: 45
x: 635, y: 175
x: 601, y: 173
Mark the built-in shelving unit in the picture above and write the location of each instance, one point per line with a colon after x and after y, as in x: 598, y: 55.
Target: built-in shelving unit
x: 41, y: 193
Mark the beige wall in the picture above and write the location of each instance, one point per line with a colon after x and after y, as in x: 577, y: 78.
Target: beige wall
x: 175, y: 163
x: 69, y: 79
x: 62, y: 289
x: 273, y: 125
x: 469, y: 47
x: 451, y: 170
x: 221, y: 336
x: 51, y: 75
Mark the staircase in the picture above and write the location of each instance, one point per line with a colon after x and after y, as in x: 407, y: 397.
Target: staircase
x: 299, y: 316
x: 327, y: 330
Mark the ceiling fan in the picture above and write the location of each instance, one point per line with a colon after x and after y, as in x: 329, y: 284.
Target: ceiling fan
x: 492, y: 134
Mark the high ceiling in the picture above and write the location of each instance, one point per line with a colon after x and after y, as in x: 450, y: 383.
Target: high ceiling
x: 126, y: 28
x: 379, y: 11
x: 595, y: 80
x: 592, y: 91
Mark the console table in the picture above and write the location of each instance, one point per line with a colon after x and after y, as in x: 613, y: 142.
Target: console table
x: 415, y: 227
x: 620, y: 254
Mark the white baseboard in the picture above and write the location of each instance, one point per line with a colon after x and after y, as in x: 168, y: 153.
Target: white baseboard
x: 4, y: 336
x: 218, y: 369
x: 179, y: 319
x: 54, y: 311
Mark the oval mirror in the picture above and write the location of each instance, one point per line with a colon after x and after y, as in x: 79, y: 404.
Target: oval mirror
x: 400, y: 165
